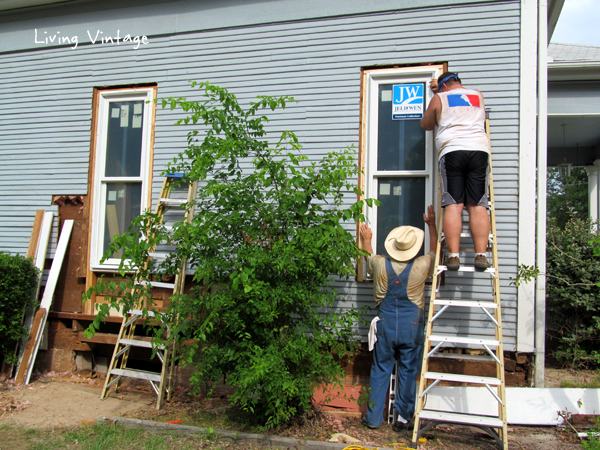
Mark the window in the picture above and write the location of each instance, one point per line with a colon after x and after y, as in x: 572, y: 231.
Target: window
x: 397, y: 154
x: 122, y: 166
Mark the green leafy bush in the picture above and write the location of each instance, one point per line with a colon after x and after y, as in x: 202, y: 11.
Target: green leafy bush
x: 567, y: 195
x: 18, y: 282
x: 573, y: 292
x: 266, y: 243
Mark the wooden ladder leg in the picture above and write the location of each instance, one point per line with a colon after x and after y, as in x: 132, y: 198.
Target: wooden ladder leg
x: 114, y: 360
x: 429, y: 327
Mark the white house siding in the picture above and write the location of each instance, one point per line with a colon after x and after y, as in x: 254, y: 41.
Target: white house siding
x: 46, y: 98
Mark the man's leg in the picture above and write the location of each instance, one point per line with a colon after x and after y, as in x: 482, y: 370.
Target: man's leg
x: 453, y: 226
x: 383, y: 364
x: 409, y: 367
x: 479, y: 222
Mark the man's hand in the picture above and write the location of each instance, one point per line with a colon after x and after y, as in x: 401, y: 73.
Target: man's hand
x: 429, y: 218
x: 433, y: 86
x: 367, y: 235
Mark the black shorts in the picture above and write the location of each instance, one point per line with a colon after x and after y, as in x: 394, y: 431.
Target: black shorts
x: 464, y: 176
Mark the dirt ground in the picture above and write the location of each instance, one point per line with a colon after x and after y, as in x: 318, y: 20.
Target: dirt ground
x: 68, y: 400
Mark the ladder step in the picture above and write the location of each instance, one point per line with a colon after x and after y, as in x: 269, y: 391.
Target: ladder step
x: 465, y: 303
x: 157, y: 284
x: 172, y: 201
x: 463, y: 419
x: 451, y: 339
x: 139, y: 374
x: 457, y: 378
x: 467, y: 234
x: 468, y: 269
x: 463, y: 356
x: 158, y: 255
x: 139, y: 343
x: 139, y: 312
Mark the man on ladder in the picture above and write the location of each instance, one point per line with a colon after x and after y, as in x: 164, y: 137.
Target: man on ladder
x: 463, y: 150
x: 398, y: 284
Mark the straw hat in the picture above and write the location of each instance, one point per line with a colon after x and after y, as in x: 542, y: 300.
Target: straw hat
x: 403, y: 243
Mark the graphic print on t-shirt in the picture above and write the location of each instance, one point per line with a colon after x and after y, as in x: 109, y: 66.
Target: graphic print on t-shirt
x: 463, y: 100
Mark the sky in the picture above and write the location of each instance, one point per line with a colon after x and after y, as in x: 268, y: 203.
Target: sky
x: 578, y: 23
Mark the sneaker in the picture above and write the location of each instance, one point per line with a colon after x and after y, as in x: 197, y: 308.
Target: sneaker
x: 400, y: 427
x: 481, y: 263
x: 452, y: 263
x: 364, y: 422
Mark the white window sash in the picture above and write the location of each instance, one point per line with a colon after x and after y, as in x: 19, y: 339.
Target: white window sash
x: 101, y: 181
x: 392, y: 76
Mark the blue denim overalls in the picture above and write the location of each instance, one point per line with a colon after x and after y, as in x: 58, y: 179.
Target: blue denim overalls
x: 399, y: 336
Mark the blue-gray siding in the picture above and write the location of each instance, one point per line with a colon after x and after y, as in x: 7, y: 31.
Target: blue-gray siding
x: 46, y: 98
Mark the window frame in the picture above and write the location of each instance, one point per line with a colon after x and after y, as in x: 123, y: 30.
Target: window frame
x: 103, y: 100
x: 372, y: 80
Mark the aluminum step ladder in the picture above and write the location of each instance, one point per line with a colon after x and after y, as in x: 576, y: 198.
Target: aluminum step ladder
x: 491, y: 347
x: 169, y: 209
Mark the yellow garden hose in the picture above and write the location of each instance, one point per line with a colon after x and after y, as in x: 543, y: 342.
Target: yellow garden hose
x: 358, y: 447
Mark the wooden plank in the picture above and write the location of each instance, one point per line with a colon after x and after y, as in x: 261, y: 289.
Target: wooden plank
x: 35, y: 234
x: 46, y: 302
x: 99, y: 338
x: 36, y: 328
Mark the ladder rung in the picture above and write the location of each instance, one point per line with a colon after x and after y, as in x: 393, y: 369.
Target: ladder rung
x: 139, y: 374
x: 464, y: 419
x: 467, y: 234
x: 466, y: 303
x: 457, y: 378
x: 175, y: 175
x: 139, y: 343
x: 468, y: 269
x: 463, y: 340
x: 158, y: 255
x: 139, y: 312
x: 157, y: 284
x: 464, y: 356
x: 172, y: 201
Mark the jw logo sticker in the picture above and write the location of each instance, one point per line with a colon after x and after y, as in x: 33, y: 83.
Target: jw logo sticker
x: 408, y: 101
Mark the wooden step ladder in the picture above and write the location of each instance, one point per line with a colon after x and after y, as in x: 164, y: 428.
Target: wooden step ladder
x: 426, y: 418
x: 168, y: 210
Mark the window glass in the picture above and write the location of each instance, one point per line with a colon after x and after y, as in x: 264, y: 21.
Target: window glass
x: 402, y: 200
x: 124, y: 139
x: 123, y: 204
x: 401, y: 143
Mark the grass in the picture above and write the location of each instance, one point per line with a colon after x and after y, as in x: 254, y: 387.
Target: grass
x: 593, y: 384
x: 104, y: 437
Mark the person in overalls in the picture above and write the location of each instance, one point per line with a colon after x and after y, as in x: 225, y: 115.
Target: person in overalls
x: 397, y: 333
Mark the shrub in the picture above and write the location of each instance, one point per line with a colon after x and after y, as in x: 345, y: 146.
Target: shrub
x: 18, y: 282
x: 573, y: 294
x: 266, y: 243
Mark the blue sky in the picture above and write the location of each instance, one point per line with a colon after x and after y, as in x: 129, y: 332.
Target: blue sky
x: 579, y: 23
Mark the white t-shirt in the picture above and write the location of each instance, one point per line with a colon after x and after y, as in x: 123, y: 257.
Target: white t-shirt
x: 461, y: 125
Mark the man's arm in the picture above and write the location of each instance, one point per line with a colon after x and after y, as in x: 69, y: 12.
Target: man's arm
x: 429, y: 219
x: 429, y: 119
x: 367, y: 235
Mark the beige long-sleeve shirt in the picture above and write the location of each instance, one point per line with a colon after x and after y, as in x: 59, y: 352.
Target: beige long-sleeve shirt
x: 422, y: 269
